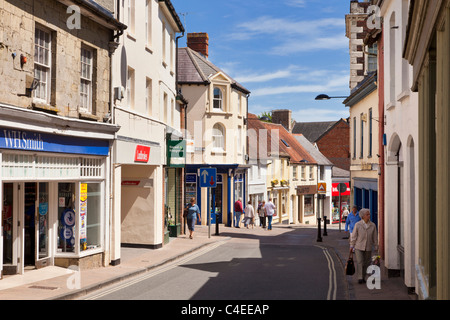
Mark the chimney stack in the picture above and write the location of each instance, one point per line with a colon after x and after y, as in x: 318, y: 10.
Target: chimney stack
x: 199, y: 42
x: 283, y: 117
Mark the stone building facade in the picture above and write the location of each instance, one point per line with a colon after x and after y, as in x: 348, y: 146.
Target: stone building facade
x: 54, y: 137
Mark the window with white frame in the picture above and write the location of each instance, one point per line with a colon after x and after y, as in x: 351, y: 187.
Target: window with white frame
x: 372, y: 58
x: 172, y: 112
x: 42, y: 64
x: 239, y: 104
x: 294, y: 172
x: 86, y: 80
x: 239, y: 140
x: 148, y: 96
x: 165, y: 106
x: 218, y: 137
x: 218, y: 98
x: 163, y: 38
x: 130, y: 88
x: 148, y: 24
x: 131, y: 15
x: 311, y: 173
x: 172, y: 52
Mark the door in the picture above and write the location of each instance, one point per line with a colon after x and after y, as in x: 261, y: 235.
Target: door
x: 36, y: 223
x: 218, y: 203
x: 7, y: 225
x: 29, y: 225
x: 41, y: 226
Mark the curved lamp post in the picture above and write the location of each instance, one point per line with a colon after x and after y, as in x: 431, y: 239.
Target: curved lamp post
x: 326, y: 97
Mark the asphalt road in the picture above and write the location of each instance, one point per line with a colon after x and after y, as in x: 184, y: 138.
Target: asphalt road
x: 291, y: 266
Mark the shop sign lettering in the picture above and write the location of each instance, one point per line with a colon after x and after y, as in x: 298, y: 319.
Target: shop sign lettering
x: 24, y: 140
x: 16, y: 139
x: 142, y: 154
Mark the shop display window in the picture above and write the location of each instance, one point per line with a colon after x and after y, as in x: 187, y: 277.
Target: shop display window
x: 66, y: 217
x: 92, y: 233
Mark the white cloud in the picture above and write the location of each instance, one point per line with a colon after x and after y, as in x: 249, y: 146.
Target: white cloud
x: 320, y: 43
x: 296, y: 3
x: 267, y: 25
x: 264, y: 77
x: 319, y: 114
x: 335, y: 83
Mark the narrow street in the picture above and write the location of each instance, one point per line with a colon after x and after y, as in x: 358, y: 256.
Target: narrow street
x: 252, y: 265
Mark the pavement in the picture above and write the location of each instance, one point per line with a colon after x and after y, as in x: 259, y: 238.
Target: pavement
x: 55, y: 283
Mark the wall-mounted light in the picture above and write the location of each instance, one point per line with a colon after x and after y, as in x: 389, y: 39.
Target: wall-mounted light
x: 23, y: 59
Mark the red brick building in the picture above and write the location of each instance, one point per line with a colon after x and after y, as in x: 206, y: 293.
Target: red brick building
x: 332, y: 139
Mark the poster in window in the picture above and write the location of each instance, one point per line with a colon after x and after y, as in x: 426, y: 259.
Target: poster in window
x: 83, y: 212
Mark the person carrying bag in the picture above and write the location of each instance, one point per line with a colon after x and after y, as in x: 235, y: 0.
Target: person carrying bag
x: 350, y: 266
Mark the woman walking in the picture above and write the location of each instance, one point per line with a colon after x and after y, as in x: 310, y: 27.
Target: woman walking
x: 262, y: 214
x: 363, y: 238
x: 249, y: 215
x: 193, y: 212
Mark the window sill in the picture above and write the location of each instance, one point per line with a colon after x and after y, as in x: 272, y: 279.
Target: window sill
x: 220, y: 112
x: 403, y: 95
x: 390, y: 105
x: 87, y: 116
x: 40, y: 106
x: 148, y: 49
x: 131, y: 36
x: 218, y: 152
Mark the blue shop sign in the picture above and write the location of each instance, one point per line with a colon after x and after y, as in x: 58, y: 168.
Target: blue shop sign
x: 22, y: 140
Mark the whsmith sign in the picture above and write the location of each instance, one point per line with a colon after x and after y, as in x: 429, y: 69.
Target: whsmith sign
x: 21, y: 140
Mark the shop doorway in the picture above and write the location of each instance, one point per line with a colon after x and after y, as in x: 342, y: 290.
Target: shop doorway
x: 35, y: 224
x: 8, y: 224
x: 217, y: 193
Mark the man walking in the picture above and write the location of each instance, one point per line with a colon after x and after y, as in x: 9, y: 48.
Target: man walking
x: 351, y: 220
x: 270, y: 212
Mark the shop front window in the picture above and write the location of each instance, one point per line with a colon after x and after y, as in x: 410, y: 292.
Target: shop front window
x: 66, y: 217
x: 90, y: 219
x: 309, y: 205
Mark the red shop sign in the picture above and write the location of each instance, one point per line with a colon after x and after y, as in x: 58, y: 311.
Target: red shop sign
x: 142, y: 154
x: 335, y: 192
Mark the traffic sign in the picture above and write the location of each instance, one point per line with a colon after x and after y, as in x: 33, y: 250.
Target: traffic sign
x: 208, y: 177
x: 322, y: 187
x: 342, y: 187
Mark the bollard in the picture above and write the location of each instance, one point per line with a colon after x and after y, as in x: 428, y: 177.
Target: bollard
x: 325, y: 226
x: 217, y: 224
x: 319, y: 236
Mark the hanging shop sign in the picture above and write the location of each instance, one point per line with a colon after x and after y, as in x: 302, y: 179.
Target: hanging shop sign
x: 176, y: 153
x: 142, y: 154
x: 39, y: 141
x: 335, y: 191
x: 322, y: 187
x: 311, y: 189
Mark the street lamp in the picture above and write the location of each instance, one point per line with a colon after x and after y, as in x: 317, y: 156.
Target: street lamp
x: 326, y: 97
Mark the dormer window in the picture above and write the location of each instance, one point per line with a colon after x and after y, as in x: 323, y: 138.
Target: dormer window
x: 218, y: 98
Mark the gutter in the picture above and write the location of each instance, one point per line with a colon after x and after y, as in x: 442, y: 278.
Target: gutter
x: 369, y: 85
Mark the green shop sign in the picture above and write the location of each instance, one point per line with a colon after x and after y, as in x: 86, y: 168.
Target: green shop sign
x: 176, y: 153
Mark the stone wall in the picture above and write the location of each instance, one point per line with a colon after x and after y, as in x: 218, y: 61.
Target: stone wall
x: 18, y: 19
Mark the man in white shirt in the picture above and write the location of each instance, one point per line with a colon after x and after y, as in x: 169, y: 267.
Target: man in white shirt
x: 270, y: 212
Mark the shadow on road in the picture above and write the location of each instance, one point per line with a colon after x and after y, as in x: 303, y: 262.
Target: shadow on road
x: 268, y: 266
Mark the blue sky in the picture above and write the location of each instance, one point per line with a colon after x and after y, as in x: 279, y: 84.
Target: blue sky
x: 285, y: 52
